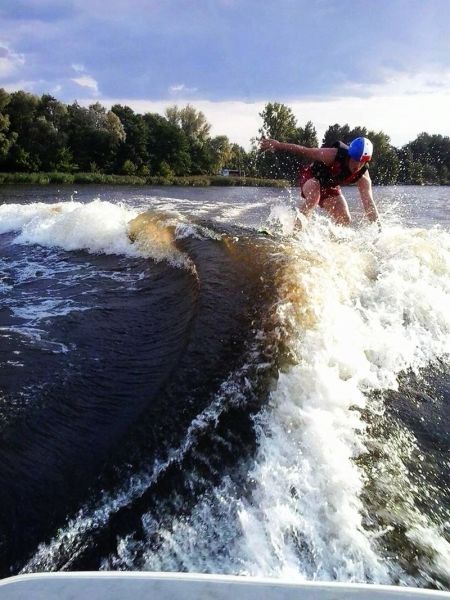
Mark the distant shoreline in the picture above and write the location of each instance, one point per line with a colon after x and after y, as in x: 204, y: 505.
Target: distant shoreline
x: 100, y: 178
x: 187, y: 181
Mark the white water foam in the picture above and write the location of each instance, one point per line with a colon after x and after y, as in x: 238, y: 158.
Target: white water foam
x: 98, y: 227
x: 221, y: 211
x: 281, y: 218
x: 361, y: 308
x: 35, y: 338
x: 41, y: 309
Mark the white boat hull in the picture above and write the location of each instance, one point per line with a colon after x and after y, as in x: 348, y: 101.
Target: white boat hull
x: 187, y: 586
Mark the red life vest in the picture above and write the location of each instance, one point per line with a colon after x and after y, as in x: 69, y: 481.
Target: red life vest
x: 338, y: 173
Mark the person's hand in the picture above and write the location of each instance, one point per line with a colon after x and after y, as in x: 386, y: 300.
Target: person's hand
x: 268, y: 144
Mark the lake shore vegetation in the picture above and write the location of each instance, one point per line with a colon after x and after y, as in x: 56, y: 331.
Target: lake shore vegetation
x: 43, y: 140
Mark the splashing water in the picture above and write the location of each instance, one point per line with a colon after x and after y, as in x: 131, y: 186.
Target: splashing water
x: 328, y: 493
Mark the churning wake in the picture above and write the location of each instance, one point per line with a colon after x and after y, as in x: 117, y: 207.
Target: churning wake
x: 98, y: 227
x: 336, y: 487
x: 357, y: 308
x: 360, y: 308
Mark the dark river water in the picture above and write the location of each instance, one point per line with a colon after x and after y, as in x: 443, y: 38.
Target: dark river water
x: 179, y: 391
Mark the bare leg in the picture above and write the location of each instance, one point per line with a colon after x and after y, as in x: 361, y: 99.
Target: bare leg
x: 311, y: 196
x: 337, y: 208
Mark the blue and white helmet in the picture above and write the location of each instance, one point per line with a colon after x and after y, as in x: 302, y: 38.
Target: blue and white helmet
x: 361, y: 149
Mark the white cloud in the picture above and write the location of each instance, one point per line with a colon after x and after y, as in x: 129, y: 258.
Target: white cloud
x: 38, y: 86
x: 10, y: 61
x: 87, y: 81
x: 22, y: 84
x: 396, y: 83
x: 181, y: 87
x: 84, y: 79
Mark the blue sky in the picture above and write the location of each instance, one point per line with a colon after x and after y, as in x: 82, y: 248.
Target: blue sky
x: 380, y: 63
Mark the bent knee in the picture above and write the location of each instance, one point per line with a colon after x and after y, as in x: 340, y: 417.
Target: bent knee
x: 310, y: 190
x: 311, y: 185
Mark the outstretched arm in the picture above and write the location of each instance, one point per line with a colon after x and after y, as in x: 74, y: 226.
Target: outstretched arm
x: 365, y: 191
x: 325, y: 155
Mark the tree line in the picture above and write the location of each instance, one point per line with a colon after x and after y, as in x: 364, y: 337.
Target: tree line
x: 42, y: 134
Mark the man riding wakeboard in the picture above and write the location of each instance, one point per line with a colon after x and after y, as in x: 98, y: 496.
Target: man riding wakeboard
x: 320, y: 182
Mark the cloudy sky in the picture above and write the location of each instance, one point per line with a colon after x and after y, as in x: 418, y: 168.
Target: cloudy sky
x: 384, y: 64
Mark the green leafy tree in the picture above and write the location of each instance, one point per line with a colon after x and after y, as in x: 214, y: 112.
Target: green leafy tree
x: 4, y: 99
x: 252, y: 161
x: 94, y: 136
x: 7, y: 137
x: 143, y: 171
x: 307, y: 136
x: 220, y: 153
x: 63, y: 161
x: 49, y: 131
x: 5, y: 140
x: 165, y: 171
x: 39, y: 125
x: 128, y: 168
x: 431, y: 151
x: 410, y: 170
x: 53, y: 112
x: 444, y: 175
x: 192, y: 121
x: 336, y: 133
x: 200, y: 158
x: 196, y: 128
x: 21, y: 110
x: 431, y: 174
x: 385, y: 165
x: 238, y: 159
x: 23, y: 160
x: 166, y: 142
x: 278, y: 122
x: 134, y: 146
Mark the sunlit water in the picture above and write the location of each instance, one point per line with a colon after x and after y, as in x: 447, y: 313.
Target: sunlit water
x: 181, y: 392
